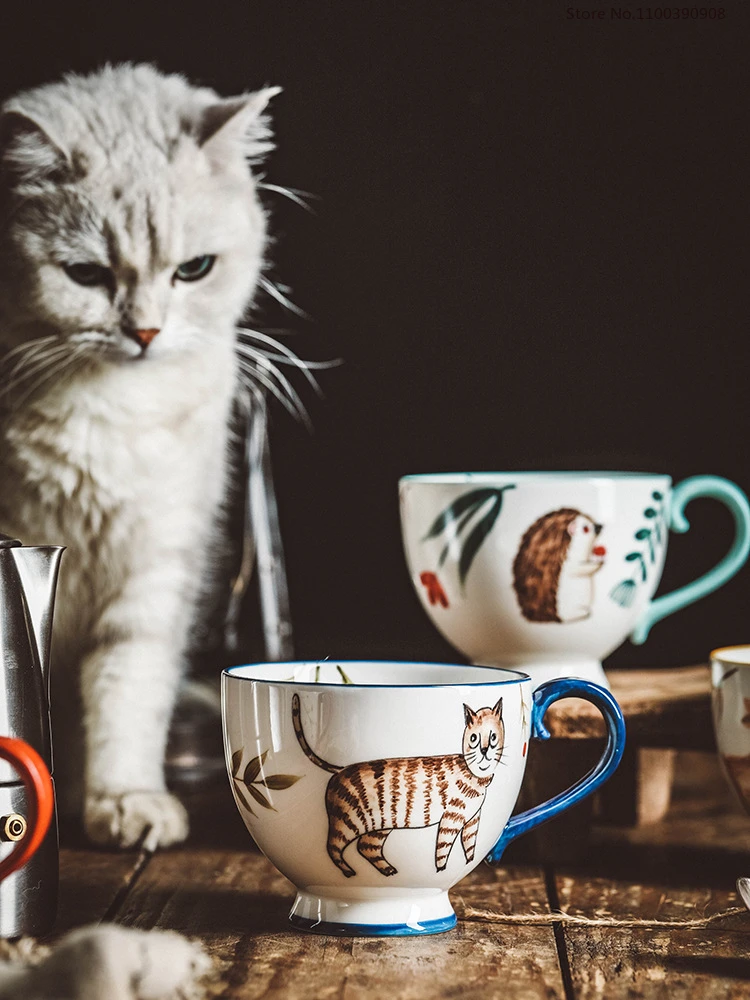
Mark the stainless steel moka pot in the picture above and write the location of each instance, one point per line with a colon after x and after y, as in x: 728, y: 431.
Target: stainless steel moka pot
x: 28, y: 578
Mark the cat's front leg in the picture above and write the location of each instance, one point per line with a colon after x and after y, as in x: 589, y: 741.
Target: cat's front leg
x: 448, y: 830
x: 469, y: 837
x: 129, y: 688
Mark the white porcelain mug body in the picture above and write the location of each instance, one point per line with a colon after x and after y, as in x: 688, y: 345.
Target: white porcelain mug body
x: 343, y: 725
x: 376, y: 786
x: 544, y: 572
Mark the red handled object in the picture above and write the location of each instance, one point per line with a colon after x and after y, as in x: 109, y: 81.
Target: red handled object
x: 41, y: 800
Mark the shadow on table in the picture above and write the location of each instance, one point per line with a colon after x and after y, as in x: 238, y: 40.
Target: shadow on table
x: 211, y: 914
x: 697, y: 867
x: 721, y: 968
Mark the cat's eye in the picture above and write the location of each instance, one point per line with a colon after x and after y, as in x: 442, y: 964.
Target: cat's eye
x: 474, y: 739
x: 198, y: 267
x: 493, y: 738
x: 88, y: 274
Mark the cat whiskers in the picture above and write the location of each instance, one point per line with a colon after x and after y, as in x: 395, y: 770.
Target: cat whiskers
x: 259, y: 357
x: 71, y: 362
x: 278, y: 292
x: 41, y: 361
x: 260, y: 372
x: 26, y: 359
x: 475, y: 756
x: 293, y: 194
x: 284, y: 355
x: 91, y: 337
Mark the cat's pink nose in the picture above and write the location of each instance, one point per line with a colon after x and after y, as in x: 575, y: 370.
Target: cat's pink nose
x: 143, y: 337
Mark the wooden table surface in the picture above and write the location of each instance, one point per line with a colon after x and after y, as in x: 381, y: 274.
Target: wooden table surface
x: 638, y: 889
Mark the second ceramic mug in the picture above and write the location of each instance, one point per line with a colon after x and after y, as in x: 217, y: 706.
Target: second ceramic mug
x: 549, y: 572
x: 730, y: 678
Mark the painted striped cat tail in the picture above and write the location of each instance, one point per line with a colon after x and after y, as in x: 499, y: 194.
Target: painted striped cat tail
x: 297, y: 723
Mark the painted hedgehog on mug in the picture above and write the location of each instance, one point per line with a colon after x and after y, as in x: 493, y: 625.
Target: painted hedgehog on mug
x: 554, y: 568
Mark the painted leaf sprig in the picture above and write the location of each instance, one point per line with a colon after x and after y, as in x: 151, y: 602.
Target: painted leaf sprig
x: 479, y: 508
x: 624, y: 593
x: 252, y: 780
x: 638, y: 559
x: 650, y: 536
x: 344, y: 676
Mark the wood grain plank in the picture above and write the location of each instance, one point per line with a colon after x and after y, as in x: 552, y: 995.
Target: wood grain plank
x: 678, y: 965
x: 89, y: 883
x: 653, y: 961
x: 619, y: 899
x: 664, y: 707
x: 237, y: 903
x: 703, y: 839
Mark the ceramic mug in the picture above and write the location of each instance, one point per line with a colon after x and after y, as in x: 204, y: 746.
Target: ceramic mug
x: 730, y: 702
x: 25, y: 833
x: 376, y: 786
x: 549, y: 572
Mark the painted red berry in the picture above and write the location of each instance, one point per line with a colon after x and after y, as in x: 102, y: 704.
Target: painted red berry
x: 435, y: 592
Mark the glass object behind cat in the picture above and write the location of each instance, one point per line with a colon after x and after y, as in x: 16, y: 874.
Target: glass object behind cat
x: 194, y: 752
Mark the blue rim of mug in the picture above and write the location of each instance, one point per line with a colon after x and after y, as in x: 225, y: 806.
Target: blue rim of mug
x: 336, y: 929
x: 518, y: 676
x: 451, y: 478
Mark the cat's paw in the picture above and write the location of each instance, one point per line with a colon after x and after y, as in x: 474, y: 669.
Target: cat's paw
x: 121, y: 820
x: 117, y: 962
x: 388, y: 870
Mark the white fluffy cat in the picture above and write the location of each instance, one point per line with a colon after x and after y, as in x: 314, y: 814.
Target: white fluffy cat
x: 131, y: 243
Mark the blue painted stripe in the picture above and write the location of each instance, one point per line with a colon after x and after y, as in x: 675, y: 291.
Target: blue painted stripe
x: 515, y: 676
x: 373, y: 930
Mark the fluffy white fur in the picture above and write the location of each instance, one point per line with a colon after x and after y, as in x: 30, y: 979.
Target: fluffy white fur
x: 107, y: 963
x: 119, y: 453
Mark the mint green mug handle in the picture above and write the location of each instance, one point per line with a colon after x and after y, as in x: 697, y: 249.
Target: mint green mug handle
x: 731, y: 496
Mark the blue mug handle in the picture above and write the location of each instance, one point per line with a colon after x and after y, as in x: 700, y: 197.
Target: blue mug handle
x: 728, y: 493
x: 544, y: 695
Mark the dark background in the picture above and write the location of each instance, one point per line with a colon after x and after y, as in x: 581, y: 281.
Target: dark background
x: 529, y: 245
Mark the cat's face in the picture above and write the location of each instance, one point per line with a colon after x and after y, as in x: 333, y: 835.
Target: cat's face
x: 135, y: 232
x: 484, y: 739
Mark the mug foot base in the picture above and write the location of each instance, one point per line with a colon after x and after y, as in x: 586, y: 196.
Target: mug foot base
x: 372, y: 930
x: 373, y: 917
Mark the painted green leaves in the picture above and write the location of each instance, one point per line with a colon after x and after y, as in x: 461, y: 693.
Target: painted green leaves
x: 251, y: 781
x: 642, y: 557
x: 344, y: 678
x: 466, y: 523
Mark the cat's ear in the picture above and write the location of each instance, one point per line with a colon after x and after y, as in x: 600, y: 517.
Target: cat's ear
x: 237, y: 122
x: 28, y: 152
x: 469, y: 715
x: 498, y: 709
